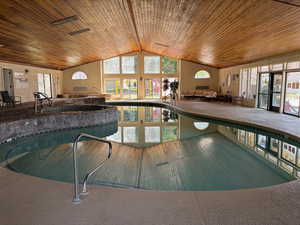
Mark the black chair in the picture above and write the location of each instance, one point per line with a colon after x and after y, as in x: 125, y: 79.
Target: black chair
x: 10, y: 100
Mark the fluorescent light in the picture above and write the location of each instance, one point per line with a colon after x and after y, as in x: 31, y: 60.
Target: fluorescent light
x: 79, y: 31
x: 65, y: 20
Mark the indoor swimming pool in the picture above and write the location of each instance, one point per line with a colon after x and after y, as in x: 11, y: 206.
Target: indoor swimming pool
x: 156, y: 148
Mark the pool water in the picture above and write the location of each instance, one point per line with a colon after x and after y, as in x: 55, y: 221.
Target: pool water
x: 155, y: 148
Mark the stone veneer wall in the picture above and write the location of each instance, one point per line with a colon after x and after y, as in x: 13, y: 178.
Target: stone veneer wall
x: 80, y: 116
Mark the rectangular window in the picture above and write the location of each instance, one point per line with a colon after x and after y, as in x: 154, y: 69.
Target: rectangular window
x: 129, y: 90
x: 243, y: 82
x: 130, y: 113
x: 250, y: 139
x: 130, y: 134
x: 264, y: 68
x: 169, y: 133
x: 151, y: 64
x: 275, y: 145
x: 111, y: 66
x: 242, y: 136
x: 289, y: 153
x: 129, y: 64
x: 262, y: 141
x: 45, y: 84
x: 152, y: 88
x: 248, y: 82
x: 292, y: 95
x: 112, y: 86
x: 169, y: 65
x: 152, y: 134
x: 277, y: 67
x: 41, y: 87
x: 293, y: 65
x: 152, y: 114
x: 252, y: 83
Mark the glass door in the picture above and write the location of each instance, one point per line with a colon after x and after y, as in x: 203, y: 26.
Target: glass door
x: 275, y: 90
x: 269, y: 94
x: 264, y: 92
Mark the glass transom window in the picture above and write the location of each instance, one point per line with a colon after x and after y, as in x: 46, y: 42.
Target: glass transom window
x: 152, y: 64
x: 111, y: 66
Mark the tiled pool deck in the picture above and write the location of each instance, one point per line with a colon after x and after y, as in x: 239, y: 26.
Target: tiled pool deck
x: 27, y: 200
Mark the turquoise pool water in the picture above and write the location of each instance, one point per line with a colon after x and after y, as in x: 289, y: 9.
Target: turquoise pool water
x: 156, y: 148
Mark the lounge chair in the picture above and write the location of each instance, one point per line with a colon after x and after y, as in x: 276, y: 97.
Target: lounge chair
x: 10, y: 100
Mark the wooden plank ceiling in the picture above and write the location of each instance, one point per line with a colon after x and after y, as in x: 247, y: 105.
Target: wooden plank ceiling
x: 219, y: 33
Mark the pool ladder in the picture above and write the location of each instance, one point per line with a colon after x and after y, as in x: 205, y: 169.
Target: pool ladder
x: 84, y: 191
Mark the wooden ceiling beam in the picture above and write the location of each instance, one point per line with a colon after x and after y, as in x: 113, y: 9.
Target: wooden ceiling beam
x: 134, y: 24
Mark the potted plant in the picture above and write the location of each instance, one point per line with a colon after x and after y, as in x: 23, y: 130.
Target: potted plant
x: 174, y: 87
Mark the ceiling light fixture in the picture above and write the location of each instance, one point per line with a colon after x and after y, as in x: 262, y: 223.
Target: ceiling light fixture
x: 79, y: 31
x: 287, y: 3
x: 65, y: 20
x: 1, y: 45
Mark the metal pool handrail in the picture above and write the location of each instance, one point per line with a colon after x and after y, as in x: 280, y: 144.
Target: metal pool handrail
x: 76, y: 199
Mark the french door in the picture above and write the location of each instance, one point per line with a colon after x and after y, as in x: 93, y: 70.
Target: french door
x: 153, y: 87
x: 269, y: 93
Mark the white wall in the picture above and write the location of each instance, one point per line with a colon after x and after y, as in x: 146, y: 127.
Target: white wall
x: 27, y: 93
x: 268, y: 61
x: 234, y: 87
x: 188, y: 71
x: 92, y: 84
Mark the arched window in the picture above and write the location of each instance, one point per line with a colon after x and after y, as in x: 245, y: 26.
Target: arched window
x: 202, y: 74
x: 79, y: 76
x: 201, y: 125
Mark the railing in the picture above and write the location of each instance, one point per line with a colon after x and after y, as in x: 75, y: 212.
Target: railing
x: 40, y: 98
x: 84, y: 191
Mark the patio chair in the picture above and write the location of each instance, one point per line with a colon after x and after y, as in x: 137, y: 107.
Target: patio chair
x: 41, y: 99
x: 10, y: 100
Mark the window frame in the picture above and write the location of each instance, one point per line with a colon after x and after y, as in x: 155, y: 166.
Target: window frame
x: 285, y: 83
x: 202, y: 78
x: 103, y: 65
x: 81, y: 73
x: 51, y: 83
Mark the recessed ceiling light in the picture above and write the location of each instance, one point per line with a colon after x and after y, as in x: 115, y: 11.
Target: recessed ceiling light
x: 1, y: 45
x: 65, y: 20
x: 79, y: 31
